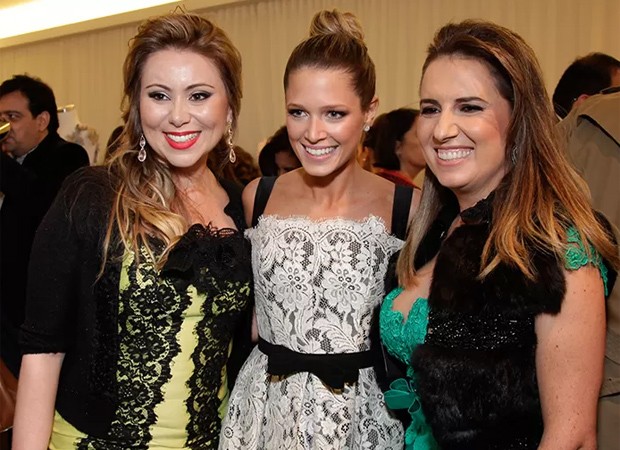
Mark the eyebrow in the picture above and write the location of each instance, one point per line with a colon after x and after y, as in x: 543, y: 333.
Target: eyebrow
x: 326, y: 107
x: 188, y: 88
x: 458, y: 100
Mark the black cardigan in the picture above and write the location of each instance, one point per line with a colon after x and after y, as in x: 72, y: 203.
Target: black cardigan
x: 71, y: 310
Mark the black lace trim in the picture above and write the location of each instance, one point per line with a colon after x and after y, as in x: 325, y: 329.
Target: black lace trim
x: 225, y: 303
x: 149, y: 317
x: 220, y: 266
x: 106, y: 337
x: 204, y: 253
x: 135, y: 361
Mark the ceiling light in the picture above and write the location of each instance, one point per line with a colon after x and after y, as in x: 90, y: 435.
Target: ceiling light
x: 37, y: 15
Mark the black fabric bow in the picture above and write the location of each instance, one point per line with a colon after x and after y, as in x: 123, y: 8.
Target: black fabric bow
x: 333, y: 369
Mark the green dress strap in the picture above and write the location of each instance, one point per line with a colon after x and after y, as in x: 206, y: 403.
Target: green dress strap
x: 577, y: 256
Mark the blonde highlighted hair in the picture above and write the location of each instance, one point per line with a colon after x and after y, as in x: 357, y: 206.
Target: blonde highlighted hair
x: 541, y: 194
x: 146, y: 206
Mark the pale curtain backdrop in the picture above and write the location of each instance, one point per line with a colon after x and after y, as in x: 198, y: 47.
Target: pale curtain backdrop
x: 85, y: 69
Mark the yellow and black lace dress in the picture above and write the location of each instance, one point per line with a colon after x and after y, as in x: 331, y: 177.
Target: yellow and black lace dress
x: 145, y: 364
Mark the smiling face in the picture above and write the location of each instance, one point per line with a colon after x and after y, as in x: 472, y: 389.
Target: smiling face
x: 462, y: 127
x: 324, y: 119
x: 183, y: 106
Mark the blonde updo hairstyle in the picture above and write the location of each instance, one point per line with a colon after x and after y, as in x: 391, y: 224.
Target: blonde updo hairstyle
x: 336, y: 41
x: 147, y: 205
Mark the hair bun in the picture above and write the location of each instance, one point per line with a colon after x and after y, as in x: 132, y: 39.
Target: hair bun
x: 336, y: 22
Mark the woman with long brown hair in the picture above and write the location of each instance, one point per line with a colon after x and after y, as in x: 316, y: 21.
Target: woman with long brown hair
x: 500, y: 313
x: 140, y: 270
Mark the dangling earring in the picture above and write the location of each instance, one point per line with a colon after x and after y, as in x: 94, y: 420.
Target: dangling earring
x: 366, y: 128
x: 232, y: 156
x: 142, y: 152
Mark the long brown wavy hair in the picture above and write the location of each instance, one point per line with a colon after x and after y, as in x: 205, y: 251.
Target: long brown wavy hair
x: 541, y: 195
x: 146, y: 205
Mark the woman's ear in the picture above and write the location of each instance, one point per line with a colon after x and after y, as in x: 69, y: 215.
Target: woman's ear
x: 397, y: 147
x: 369, y: 117
x: 229, y: 116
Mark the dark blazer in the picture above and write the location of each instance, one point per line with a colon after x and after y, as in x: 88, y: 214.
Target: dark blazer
x: 29, y: 190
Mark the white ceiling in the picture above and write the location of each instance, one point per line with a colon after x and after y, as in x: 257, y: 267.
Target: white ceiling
x: 53, y: 20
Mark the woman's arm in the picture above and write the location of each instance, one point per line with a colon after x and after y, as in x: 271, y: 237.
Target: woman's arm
x: 569, y: 363
x: 36, y: 397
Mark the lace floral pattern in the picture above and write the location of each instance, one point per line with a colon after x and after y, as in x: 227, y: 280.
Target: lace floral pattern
x: 400, y: 337
x: 148, y: 321
x: 576, y: 256
x: 209, y: 266
x: 317, y: 283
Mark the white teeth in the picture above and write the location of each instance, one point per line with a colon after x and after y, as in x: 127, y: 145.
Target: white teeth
x: 448, y: 155
x: 182, y: 138
x: 319, y: 151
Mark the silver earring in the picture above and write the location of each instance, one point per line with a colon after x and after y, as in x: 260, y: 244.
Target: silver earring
x: 366, y: 128
x: 142, y: 152
x: 232, y: 156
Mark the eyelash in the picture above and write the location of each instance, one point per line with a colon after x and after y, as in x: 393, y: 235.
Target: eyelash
x: 157, y: 96
x: 295, y: 113
x: 199, y: 96
x: 335, y: 115
x: 196, y: 96
x: 466, y: 108
x: 332, y: 115
x: 470, y: 108
x: 428, y: 110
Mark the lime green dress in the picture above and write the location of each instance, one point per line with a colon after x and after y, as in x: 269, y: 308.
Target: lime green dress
x: 171, y: 374
x: 148, y: 351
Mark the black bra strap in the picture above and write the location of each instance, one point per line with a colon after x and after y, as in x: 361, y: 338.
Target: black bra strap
x: 263, y: 191
x: 400, y: 210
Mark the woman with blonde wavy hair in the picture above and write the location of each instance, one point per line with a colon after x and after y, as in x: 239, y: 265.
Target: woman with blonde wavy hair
x: 140, y: 271
x: 500, y: 312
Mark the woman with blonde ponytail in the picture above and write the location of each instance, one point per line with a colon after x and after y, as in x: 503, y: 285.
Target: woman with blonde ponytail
x: 140, y: 271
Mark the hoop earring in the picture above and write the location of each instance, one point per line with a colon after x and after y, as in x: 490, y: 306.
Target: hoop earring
x: 142, y: 152
x: 232, y: 156
x: 366, y: 128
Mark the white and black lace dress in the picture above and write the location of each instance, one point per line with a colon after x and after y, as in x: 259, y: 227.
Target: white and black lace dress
x: 317, y: 284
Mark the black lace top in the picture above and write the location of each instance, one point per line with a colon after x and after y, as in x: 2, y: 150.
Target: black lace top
x: 145, y: 351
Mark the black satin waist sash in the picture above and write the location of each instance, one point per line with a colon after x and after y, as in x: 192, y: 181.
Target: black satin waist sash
x: 333, y: 369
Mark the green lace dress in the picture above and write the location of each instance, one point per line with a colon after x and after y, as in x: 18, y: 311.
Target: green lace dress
x: 401, y: 337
